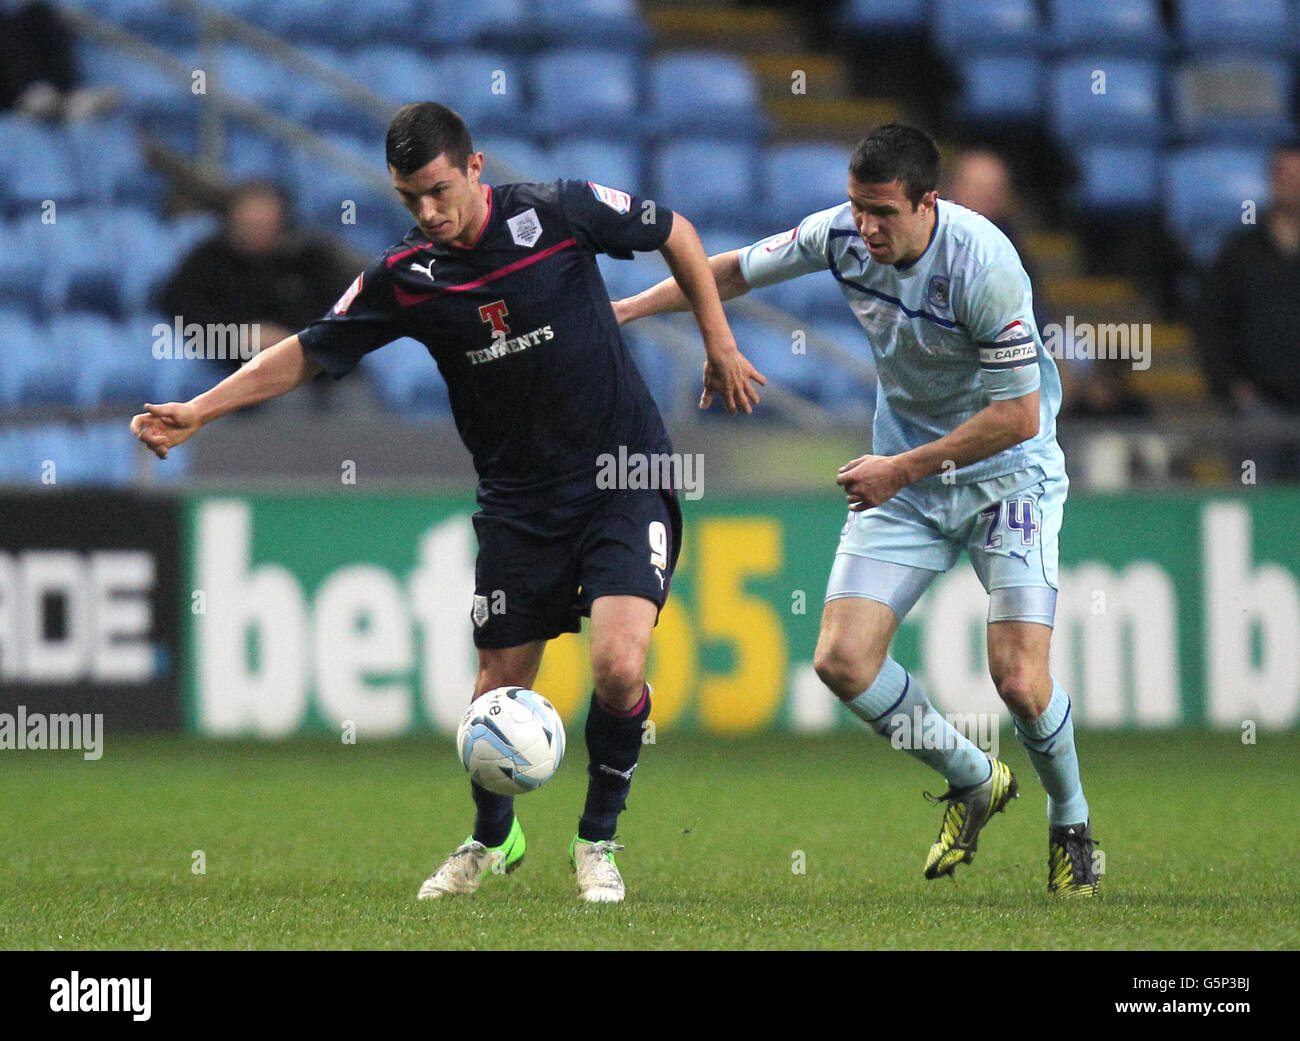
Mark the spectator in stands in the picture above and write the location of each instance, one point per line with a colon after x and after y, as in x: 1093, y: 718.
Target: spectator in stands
x: 980, y: 181
x: 258, y: 272
x: 1248, y: 326
x: 38, y: 70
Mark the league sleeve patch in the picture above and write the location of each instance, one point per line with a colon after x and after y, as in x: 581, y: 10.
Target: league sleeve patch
x: 345, y: 301
x: 619, y: 202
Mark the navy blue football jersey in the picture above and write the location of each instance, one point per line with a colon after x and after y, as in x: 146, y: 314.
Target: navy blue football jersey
x: 520, y: 325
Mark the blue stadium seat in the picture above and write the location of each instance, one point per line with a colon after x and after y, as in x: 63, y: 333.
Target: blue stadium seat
x: 583, y: 91
x: 800, y: 179
x: 508, y: 159
x: 1118, y: 178
x: 672, y: 383
x: 113, y: 454
x: 251, y: 154
x: 109, y: 163
x: 174, y: 378
x: 615, y: 164
x: 500, y: 24
x: 991, y: 26
x: 1128, y: 110
x: 874, y: 17
x: 21, y: 272
x: 406, y: 380
x: 35, y: 165
x: 1131, y: 28
x: 33, y: 369
x: 816, y: 297
x: 64, y: 447
x: 1241, y: 100
x: 399, y: 73
x: 106, y: 365
x: 151, y: 95
x: 1255, y: 26
x: 250, y: 74
x: 154, y: 252
x: 615, y: 23
x: 488, y: 89
x: 771, y: 350
x: 1204, y: 190
x: 705, y: 92
x: 728, y: 192
x: 1001, y: 89
x: 73, y: 255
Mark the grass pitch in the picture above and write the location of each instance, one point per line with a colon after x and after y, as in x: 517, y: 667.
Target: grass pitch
x: 314, y: 844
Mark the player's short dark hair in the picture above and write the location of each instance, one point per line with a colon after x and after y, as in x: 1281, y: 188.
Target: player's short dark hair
x: 424, y: 130
x: 898, y: 152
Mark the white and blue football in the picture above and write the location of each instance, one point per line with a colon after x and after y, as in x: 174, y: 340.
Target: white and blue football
x: 511, y: 740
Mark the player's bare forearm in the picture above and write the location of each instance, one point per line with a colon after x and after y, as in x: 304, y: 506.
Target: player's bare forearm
x: 995, y: 428
x: 873, y: 479
x: 275, y: 371
x: 693, y: 275
x: 668, y: 295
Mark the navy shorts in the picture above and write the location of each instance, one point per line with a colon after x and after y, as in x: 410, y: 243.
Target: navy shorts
x: 534, y: 581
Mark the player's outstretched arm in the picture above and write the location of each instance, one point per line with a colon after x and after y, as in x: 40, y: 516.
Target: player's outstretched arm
x: 727, y: 372
x: 275, y: 371
x: 668, y: 296
x: 870, y: 480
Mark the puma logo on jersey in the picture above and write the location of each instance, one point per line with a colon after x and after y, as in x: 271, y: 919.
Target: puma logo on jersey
x: 427, y: 270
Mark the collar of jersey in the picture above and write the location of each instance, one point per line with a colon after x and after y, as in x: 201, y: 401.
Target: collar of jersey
x: 906, y: 269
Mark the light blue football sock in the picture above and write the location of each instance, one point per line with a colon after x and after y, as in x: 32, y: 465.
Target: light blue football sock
x: 896, y: 707
x: 1049, y: 740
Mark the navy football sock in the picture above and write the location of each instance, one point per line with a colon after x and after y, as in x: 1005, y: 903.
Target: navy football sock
x: 613, y: 745
x: 493, y: 816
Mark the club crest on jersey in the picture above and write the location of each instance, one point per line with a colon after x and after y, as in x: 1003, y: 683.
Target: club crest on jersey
x: 619, y: 202
x: 937, y: 291
x: 525, y: 228
x: 480, y: 612
x: 495, y: 315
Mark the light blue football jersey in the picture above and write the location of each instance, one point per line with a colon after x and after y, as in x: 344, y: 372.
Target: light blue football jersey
x: 950, y: 332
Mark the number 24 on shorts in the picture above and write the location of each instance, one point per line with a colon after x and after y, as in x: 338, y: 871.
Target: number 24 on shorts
x: 1018, y: 515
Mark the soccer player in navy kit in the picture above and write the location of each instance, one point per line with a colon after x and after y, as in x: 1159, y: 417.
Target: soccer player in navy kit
x: 501, y: 284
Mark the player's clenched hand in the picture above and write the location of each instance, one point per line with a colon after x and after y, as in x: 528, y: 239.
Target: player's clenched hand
x: 728, y: 373
x: 162, y: 427
x: 870, y: 480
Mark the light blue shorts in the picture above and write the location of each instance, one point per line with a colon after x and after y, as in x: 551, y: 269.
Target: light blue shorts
x: 1008, y: 526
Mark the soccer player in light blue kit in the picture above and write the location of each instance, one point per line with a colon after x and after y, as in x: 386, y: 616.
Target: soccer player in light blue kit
x: 964, y: 457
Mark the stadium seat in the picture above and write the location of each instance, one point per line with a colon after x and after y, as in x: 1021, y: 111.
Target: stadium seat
x: 1204, y: 190
x: 992, y: 26
x: 1129, y: 28
x: 800, y: 179
x: 60, y: 450
x: 1125, y: 105
x: 109, y: 163
x: 813, y: 297
x: 672, y: 383
x: 113, y: 454
x: 588, y: 92
x: 174, y: 379
x: 106, y: 365
x: 399, y: 73
x: 704, y: 92
x: 35, y: 165
x: 998, y: 89
x: 873, y: 17
x: 20, y: 272
x: 33, y: 369
x: 1254, y: 26
x: 252, y: 75
x: 771, y: 349
x: 1118, y: 178
x: 406, y: 379
x: 500, y: 24
x: 488, y: 89
x: 615, y: 23
x: 615, y: 164
x: 1239, y: 100
x: 729, y: 192
x: 507, y: 159
x: 154, y: 97
x: 251, y: 154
